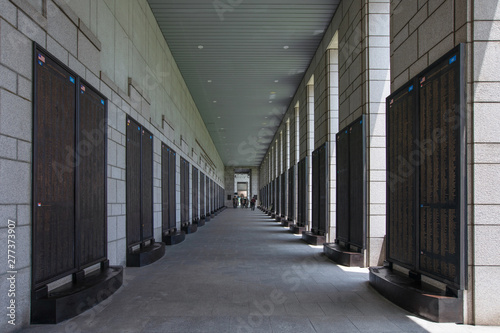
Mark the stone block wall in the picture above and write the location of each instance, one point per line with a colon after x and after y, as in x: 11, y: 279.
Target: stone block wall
x: 120, y: 51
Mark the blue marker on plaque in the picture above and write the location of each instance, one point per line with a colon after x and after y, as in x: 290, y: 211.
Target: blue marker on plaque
x: 453, y: 59
x: 150, y: 136
x: 72, y: 79
x: 40, y: 63
x: 102, y: 101
x: 411, y: 88
x: 138, y: 128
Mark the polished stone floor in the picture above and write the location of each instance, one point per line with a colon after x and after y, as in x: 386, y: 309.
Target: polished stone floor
x: 244, y: 273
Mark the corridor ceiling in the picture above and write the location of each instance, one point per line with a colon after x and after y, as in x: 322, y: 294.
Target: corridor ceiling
x: 242, y: 61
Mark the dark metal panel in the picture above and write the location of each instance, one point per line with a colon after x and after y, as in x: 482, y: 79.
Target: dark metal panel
x: 53, y: 171
x: 323, y: 190
x: 184, y: 190
x: 165, y: 195
x: 133, y: 172
x: 302, y: 193
x: 315, y: 192
x: 91, y: 229
x: 401, y: 177
x: 283, y: 194
x: 357, y: 183
x: 147, y: 185
x: 172, y: 200
x: 319, y: 190
x: 291, y: 193
x: 442, y: 182
x: 342, y: 206
x: 195, y: 194
x: 202, y: 194
x: 207, y: 195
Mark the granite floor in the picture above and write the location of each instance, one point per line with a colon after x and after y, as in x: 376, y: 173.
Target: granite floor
x: 242, y: 272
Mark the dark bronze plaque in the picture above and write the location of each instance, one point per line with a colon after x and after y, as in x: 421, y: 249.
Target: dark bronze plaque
x: 202, y: 194
x: 172, y: 183
x: 207, y: 195
x: 91, y: 226
x: 184, y: 190
x: 342, y: 158
x: 147, y: 185
x: 195, y: 194
x: 291, y: 193
x: 69, y: 172
x: 165, y: 194
x: 53, y: 171
x: 351, y: 184
x: 134, y: 133
x: 319, y: 190
x: 283, y: 194
x: 302, y: 193
x: 441, y: 129
x: 401, y: 176
x: 426, y: 188
x: 357, y: 183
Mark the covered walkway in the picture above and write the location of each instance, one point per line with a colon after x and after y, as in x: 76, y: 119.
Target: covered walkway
x: 242, y: 272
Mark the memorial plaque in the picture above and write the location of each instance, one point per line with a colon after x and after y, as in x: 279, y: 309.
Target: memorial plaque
x: 426, y: 188
x: 291, y: 193
x: 53, y: 170
x: 172, y: 189
x: 351, y: 184
x: 184, y: 190
x: 319, y: 190
x: 302, y: 193
x: 342, y: 162
x: 147, y: 185
x: 207, y: 195
x: 357, y: 184
x: 195, y: 193
x: 139, y: 183
x: 442, y: 169
x: 165, y: 193
x: 283, y: 194
x: 91, y: 225
x: 212, y: 194
x: 134, y: 134
x: 69, y: 172
x: 401, y: 176
x: 323, y: 188
x: 315, y: 192
x: 202, y: 194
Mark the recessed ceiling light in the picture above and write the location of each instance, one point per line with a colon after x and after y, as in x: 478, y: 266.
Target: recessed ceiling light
x: 209, y: 81
x: 286, y: 47
x: 200, y: 46
x: 215, y: 101
x: 276, y: 81
x: 266, y: 117
x: 270, y: 102
x: 218, y: 117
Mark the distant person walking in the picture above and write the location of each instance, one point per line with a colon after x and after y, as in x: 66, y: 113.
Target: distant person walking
x: 252, y: 203
x: 235, y: 201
